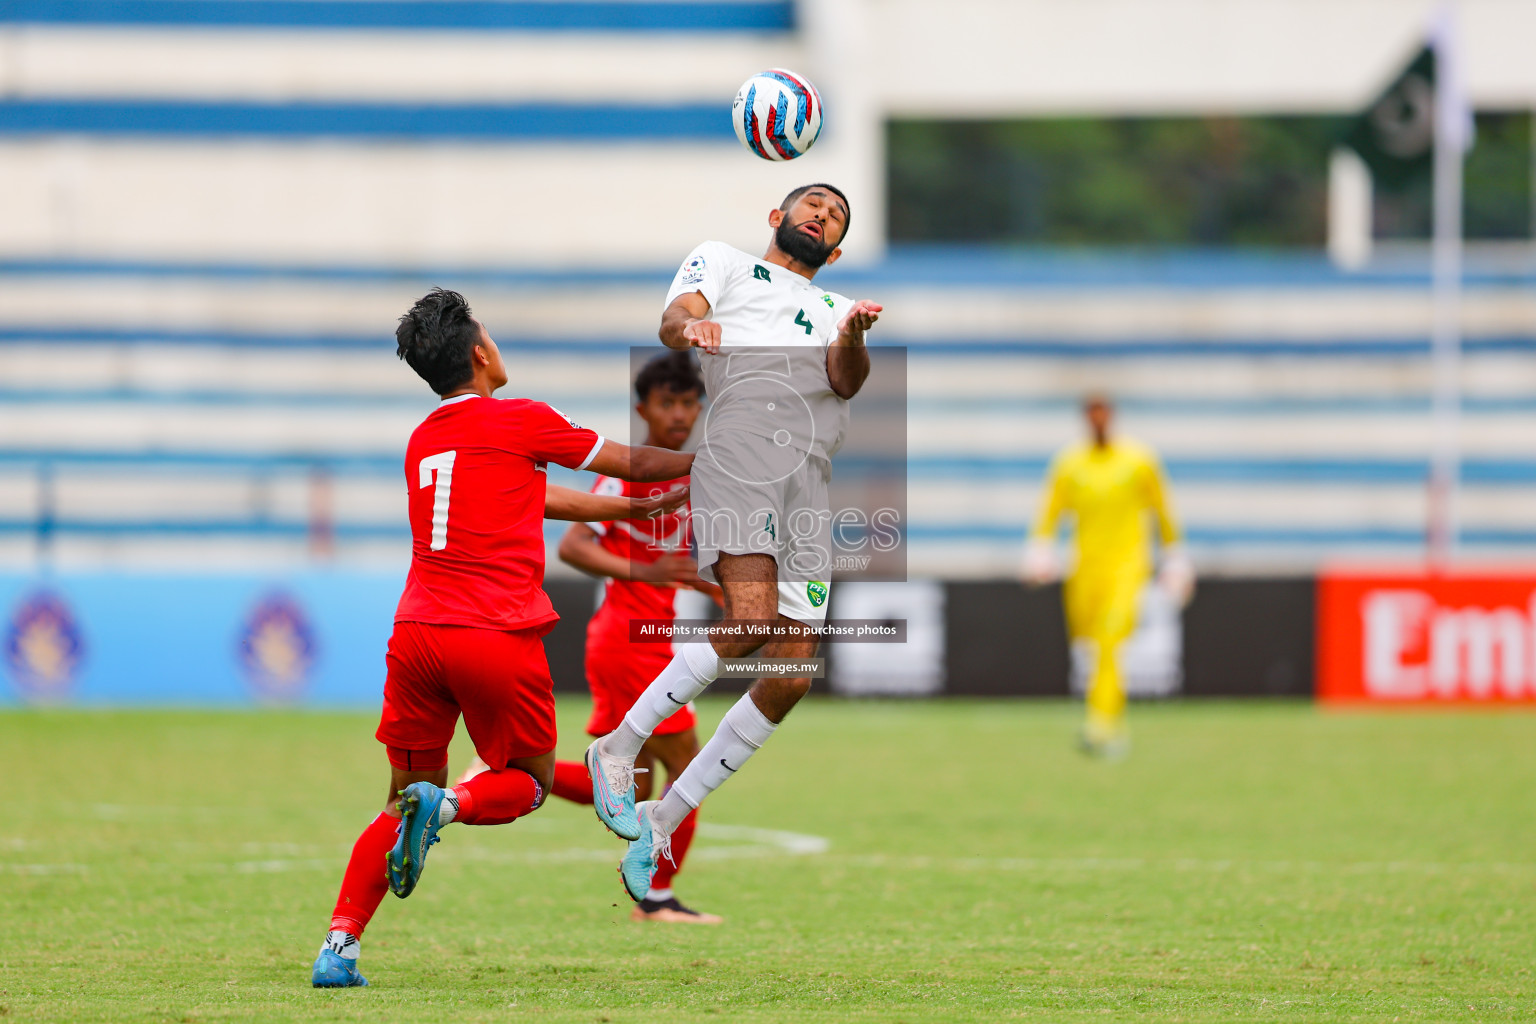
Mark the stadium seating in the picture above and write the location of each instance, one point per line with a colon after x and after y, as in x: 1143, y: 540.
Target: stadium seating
x: 209, y: 235
x: 1290, y: 434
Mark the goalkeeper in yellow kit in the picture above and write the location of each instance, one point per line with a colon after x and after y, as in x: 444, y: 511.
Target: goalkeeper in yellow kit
x: 1112, y: 487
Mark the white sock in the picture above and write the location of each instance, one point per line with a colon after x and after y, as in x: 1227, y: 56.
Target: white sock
x: 690, y: 671
x: 343, y: 944
x: 450, y: 808
x: 742, y: 731
x: 659, y: 895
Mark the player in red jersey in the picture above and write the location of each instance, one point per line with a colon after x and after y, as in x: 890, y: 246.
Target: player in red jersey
x: 645, y: 562
x: 469, y: 624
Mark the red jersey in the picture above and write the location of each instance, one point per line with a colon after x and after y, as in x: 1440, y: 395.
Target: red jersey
x: 644, y: 541
x: 474, y: 470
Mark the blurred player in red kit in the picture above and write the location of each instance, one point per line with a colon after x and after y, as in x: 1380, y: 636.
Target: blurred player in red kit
x: 645, y: 562
x: 468, y: 629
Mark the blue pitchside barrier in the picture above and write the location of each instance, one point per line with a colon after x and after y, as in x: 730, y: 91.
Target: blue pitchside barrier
x: 316, y: 638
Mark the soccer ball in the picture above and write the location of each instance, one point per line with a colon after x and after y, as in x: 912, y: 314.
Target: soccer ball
x: 777, y: 114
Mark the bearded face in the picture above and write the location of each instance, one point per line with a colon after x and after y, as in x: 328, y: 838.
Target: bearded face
x: 802, y: 245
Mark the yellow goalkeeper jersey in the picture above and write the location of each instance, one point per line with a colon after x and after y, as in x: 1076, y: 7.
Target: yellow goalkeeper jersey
x: 1110, y: 492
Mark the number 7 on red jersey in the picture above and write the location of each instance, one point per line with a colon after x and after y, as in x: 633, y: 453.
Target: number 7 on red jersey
x: 442, y: 465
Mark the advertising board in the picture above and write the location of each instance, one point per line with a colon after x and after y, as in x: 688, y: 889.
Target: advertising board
x: 1426, y: 639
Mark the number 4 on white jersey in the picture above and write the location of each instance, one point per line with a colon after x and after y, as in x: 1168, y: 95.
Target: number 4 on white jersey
x: 442, y: 464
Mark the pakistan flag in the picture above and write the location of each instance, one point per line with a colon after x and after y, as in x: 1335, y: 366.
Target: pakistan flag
x: 1396, y: 134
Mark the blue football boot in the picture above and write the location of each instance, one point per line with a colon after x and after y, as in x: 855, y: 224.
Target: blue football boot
x: 644, y: 854
x: 613, y: 792
x: 333, y: 970
x: 419, y: 805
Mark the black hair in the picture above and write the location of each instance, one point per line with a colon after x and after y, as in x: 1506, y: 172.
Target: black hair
x: 674, y: 372
x: 437, y: 337
x: 789, y: 201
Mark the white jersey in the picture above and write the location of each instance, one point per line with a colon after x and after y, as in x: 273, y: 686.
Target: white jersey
x: 790, y: 321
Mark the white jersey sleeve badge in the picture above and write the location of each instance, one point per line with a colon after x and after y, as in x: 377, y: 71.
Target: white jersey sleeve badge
x: 703, y: 271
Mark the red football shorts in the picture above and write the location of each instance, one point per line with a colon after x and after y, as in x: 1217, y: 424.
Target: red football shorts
x: 497, y: 679
x: 617, y: 674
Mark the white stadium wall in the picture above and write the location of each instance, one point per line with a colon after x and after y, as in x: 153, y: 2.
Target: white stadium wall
x: 1002, y: 58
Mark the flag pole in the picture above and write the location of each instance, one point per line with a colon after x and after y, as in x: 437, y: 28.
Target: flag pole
x: 1445, y: 291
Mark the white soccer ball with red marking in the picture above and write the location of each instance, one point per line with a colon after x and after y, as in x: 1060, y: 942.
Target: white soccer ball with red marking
x: 777, y: 114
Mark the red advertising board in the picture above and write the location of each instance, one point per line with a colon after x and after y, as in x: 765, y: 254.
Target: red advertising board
x: 1426, y: 639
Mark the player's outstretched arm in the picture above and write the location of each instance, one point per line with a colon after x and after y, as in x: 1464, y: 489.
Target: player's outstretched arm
x: 847, y: 358
x: 582, y: 507
x: 640, y: 463
x: 580, y: 549
x: 683, y: 325
x: 1040, y: 564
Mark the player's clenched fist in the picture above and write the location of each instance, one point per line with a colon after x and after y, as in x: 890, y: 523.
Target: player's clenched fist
x: 859, y: 319
x: 704, y: 334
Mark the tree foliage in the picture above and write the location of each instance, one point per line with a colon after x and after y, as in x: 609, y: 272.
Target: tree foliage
x: 1212, y: 181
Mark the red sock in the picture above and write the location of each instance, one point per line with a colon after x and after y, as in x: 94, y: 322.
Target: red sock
x: 496, y: 797
x: 365, y: 883
x: 682, y: 838
x: 572, y: 782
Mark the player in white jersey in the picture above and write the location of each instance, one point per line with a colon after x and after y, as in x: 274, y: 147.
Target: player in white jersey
x: 781, y: 358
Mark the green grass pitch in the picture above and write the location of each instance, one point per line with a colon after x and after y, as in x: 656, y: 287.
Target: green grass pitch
x: 1248, y: 862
